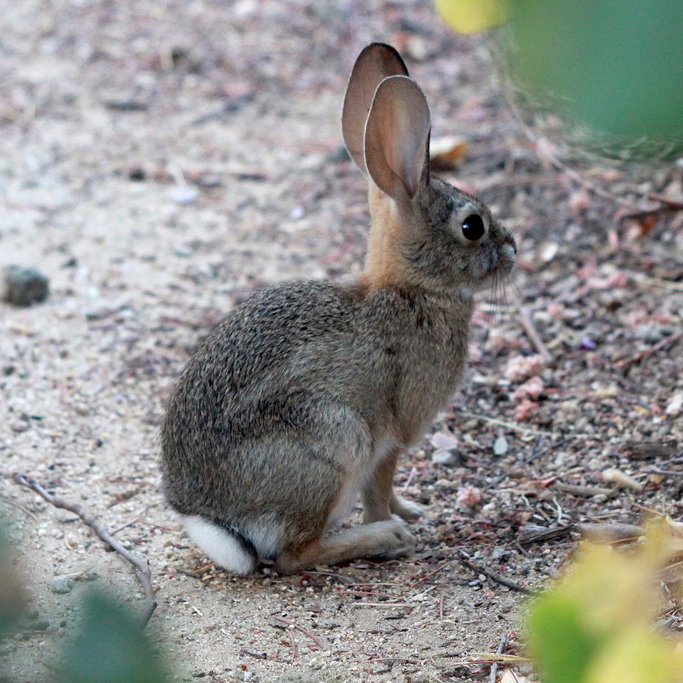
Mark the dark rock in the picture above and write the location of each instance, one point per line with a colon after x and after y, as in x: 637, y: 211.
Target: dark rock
x: 23, y: 286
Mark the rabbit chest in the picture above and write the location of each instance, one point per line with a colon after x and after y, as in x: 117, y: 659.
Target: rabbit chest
x: 423, y: 342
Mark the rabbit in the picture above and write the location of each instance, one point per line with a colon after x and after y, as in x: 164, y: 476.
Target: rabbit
x: 304, y: 396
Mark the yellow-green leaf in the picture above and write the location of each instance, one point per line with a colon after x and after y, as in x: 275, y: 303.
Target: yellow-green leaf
x: 472, y: 16
x: 638, y: 655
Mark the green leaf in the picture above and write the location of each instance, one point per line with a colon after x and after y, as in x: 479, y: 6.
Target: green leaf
x: 472, y: 16
x: 613, y: 65
x: 109, y: 647
x: 637, y: 655
x: 12, y: 593
x: 558, y: 639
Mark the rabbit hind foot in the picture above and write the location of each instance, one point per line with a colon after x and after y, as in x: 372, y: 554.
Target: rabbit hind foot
x: 385, y: 540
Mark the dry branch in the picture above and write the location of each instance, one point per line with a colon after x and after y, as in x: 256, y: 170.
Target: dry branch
x: 301, y: 629
x: 142, y: 570
x: 583, y: 491
x: 645, y: 353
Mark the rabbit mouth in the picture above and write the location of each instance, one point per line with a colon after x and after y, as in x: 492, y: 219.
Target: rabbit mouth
x: 505, y: 261
x: 497, y: 264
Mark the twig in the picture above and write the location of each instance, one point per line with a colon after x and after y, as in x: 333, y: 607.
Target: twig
x: 527, y: 323
x: 293, y: 645
x: 339, y: 577
x: 16, y: 506
x: 672, y: 204
x: 374, y: 594
x: 611, y: 532
x: 308, y: 634
x: 493, y: 577
x: 422, y: 579
x: 392, y: 659
x: 384, y: 605
x: 142, y: 573
x: 667, y: 206
x: 533, y: 533
x: 439, y: 604
x: 664, y: 473
x: 544, y: 152
x: 130, y: 523
x: 255, y: 655
x: 192, y: 575
x: 658, y: 282
x: 499, y: 651
x: 645, y: 353
x: 583, y: 491
x: 409, y: 480
x: 515, y: 427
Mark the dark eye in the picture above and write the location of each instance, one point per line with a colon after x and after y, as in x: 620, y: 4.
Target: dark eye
x: 473, y: 227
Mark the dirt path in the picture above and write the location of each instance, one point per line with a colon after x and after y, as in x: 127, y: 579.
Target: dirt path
x: 159, y: 162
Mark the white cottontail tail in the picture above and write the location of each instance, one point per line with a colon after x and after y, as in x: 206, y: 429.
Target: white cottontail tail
x: 306, y: 394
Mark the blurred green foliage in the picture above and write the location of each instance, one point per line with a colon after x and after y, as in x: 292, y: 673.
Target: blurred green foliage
x: 612, y: 66
x: 596, y: 625
x: 12, y: 596
x: 107, y: 646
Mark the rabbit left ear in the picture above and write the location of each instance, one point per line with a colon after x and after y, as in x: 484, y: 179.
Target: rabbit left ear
x: 396, y: 142
x: 373, y: 65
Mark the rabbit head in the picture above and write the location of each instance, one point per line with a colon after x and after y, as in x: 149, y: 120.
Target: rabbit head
x: 424, y: 232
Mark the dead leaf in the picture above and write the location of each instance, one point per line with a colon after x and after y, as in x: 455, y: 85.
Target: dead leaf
x: 446, y: 153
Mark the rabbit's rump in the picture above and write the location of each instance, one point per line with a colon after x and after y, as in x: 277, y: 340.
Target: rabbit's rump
x: 279, y: 491
x: 262, y: 436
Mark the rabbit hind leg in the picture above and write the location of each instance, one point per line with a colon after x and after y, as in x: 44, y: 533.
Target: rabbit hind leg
x: 387, y: 539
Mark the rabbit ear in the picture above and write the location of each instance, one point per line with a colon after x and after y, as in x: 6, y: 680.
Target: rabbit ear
x: 374, y: 63
x: 397, y: 137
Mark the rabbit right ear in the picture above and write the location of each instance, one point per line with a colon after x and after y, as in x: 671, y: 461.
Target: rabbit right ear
x: 374, y: 64
x: 397, y: 138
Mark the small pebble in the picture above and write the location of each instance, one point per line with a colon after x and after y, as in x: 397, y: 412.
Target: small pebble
x: 446, y: 456
x: 499, y: 553
x: 184, y: 194
x: 500, y: 446
x: 61, y: 584
x: 23, y: 286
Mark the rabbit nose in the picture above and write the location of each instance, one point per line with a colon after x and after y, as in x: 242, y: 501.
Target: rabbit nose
x: 509, y: 249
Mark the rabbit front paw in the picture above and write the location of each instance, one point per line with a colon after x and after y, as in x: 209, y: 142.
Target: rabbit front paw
x: 406, y: 509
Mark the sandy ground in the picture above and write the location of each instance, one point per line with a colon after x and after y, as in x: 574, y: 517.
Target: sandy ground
x: 160, y: 161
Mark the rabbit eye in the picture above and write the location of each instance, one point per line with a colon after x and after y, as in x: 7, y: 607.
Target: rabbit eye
x: 473, y: 227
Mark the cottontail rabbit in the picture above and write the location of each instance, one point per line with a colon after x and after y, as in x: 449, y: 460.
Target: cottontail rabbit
x: 306, y: 394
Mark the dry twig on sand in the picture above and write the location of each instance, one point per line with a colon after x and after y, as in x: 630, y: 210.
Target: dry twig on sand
x: 477, y: 569
x: 142, y: 570
x: 494, y: 667
x: 646, y: 353
x: 301, y: 629
x: 526, y: 321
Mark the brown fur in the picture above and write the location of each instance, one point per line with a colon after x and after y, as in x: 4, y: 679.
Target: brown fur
x: 308, y: 392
